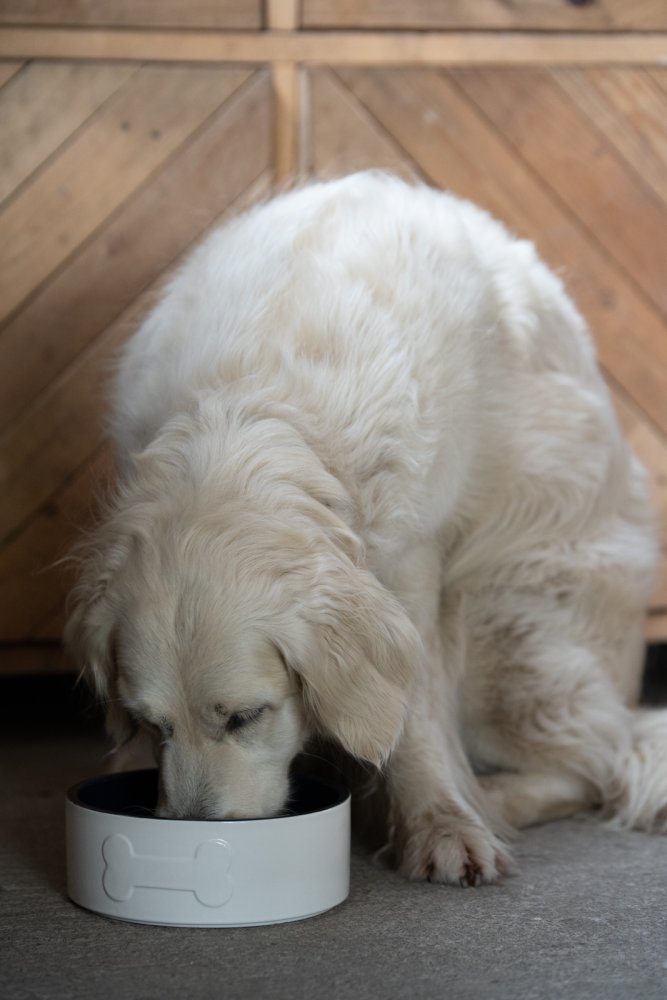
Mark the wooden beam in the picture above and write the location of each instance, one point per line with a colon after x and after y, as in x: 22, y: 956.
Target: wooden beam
x: 282, y: 15
x: 25, y: 659
x: 339, y: 48
x: 656, y: 626
x: 286, y: 93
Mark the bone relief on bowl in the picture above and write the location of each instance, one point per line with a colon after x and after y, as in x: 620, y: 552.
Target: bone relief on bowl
x: 123, y: 862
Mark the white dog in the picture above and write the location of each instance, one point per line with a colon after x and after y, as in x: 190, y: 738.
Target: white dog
x: 375, y: 490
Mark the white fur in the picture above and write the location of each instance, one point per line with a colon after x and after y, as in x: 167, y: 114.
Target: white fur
x: 374, y: 482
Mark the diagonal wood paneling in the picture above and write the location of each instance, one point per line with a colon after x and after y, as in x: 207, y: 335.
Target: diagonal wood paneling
x: 578, y: 162
x: 603, y: 15
x: 139, y: 240
x: 442, y: 133
x: 43, y: 105
x: 345, y: 137
x: 32, y: 587
x: 133, y: 133
x: 105, y: 189
x: 74, y: 314
x: 61, y: 426
x: 8, y: 69
x: 33, y: 581
x: 440, y: 127
x: 628, y: 106
x: 135, y: 13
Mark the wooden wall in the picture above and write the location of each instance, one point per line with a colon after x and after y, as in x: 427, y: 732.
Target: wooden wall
x: 128, y: 130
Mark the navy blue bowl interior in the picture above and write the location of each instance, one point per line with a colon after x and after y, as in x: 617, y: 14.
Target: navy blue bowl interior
x: 134, y: 793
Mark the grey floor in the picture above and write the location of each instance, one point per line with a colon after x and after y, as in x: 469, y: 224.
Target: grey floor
x: 585, y: 918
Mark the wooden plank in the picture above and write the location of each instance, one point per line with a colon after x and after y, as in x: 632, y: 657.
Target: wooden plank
x: 135, y: 13
x: 65, y: 425
x: 580, y: 166
x: 33, y: 659
x: 459, y: 48
x: 137, y: 130
x: 445, y: 136
x: 441, y: 129
x: 604, y: 15
x: 282, y: 15
x: 630, y: 108
x: 8, y: 70
x: 659, y: 77
x: 52, y: 625
x: 231, y: 149
x: 651, y: 449
x: 31, y: 594
x: 286, y: 102
x: 344, y: 137
x: 656, y: 627
x: 44, y: 105
x: 32, y: 576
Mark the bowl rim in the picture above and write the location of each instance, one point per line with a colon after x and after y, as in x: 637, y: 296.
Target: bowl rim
x: 73, y: 797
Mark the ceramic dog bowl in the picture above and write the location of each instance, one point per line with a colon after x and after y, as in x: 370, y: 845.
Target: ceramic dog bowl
x: 124, y: 862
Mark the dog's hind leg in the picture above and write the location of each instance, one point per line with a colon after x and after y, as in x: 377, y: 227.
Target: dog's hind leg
x: 642, y: 802
x: 517, y: 799
x: 544, y: 708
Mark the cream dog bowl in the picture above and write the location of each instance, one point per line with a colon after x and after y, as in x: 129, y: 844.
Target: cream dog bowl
x: 124, y: 862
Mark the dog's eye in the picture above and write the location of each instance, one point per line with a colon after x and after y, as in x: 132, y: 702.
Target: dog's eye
x: 240, y: 719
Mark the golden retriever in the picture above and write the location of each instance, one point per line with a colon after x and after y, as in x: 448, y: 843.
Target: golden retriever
x: 374, y: 490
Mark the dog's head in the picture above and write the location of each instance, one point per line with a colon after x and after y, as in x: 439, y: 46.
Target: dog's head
x: 231, y: 641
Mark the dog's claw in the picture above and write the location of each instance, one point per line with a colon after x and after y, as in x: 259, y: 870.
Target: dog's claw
x: 469, y: 857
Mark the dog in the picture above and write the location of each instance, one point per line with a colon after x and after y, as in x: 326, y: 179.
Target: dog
x: 373, y: 491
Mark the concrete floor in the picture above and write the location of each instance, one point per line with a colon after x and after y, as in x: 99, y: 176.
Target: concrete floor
x: 585, y: 918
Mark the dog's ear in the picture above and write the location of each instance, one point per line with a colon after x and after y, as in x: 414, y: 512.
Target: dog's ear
x: 356, y: 652
x: 89, y: 634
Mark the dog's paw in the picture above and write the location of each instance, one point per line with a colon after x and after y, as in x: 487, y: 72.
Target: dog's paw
x: 456, y: 853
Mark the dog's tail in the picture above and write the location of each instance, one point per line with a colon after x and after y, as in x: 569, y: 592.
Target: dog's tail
x: 642, y: 802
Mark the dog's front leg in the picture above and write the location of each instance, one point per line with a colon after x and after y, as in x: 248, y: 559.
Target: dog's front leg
x: 438, y: 829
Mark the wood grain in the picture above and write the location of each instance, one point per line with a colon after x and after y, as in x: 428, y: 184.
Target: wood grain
x: 229, y: 151
x: 287, y: 119
x: 131, y: 13
x: 445, y: 136
x: 155, y: 111
x: 43, y: 106
x: 630, y: 107
x: 282, y: 15
x: 139, y: 209
x: 65, y: 424
x: 64, y: 441
x: 651, y: 448
x: 344, y: 137
x: 581, y: 166
x: 32, y: 591
x: 605, y: 15
x: 441, y: 129
x: 359, y: 48
x: 32, y: 578
x: 8, y: 70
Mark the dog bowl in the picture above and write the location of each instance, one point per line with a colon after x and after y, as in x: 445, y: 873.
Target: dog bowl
x: 124, y: 862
